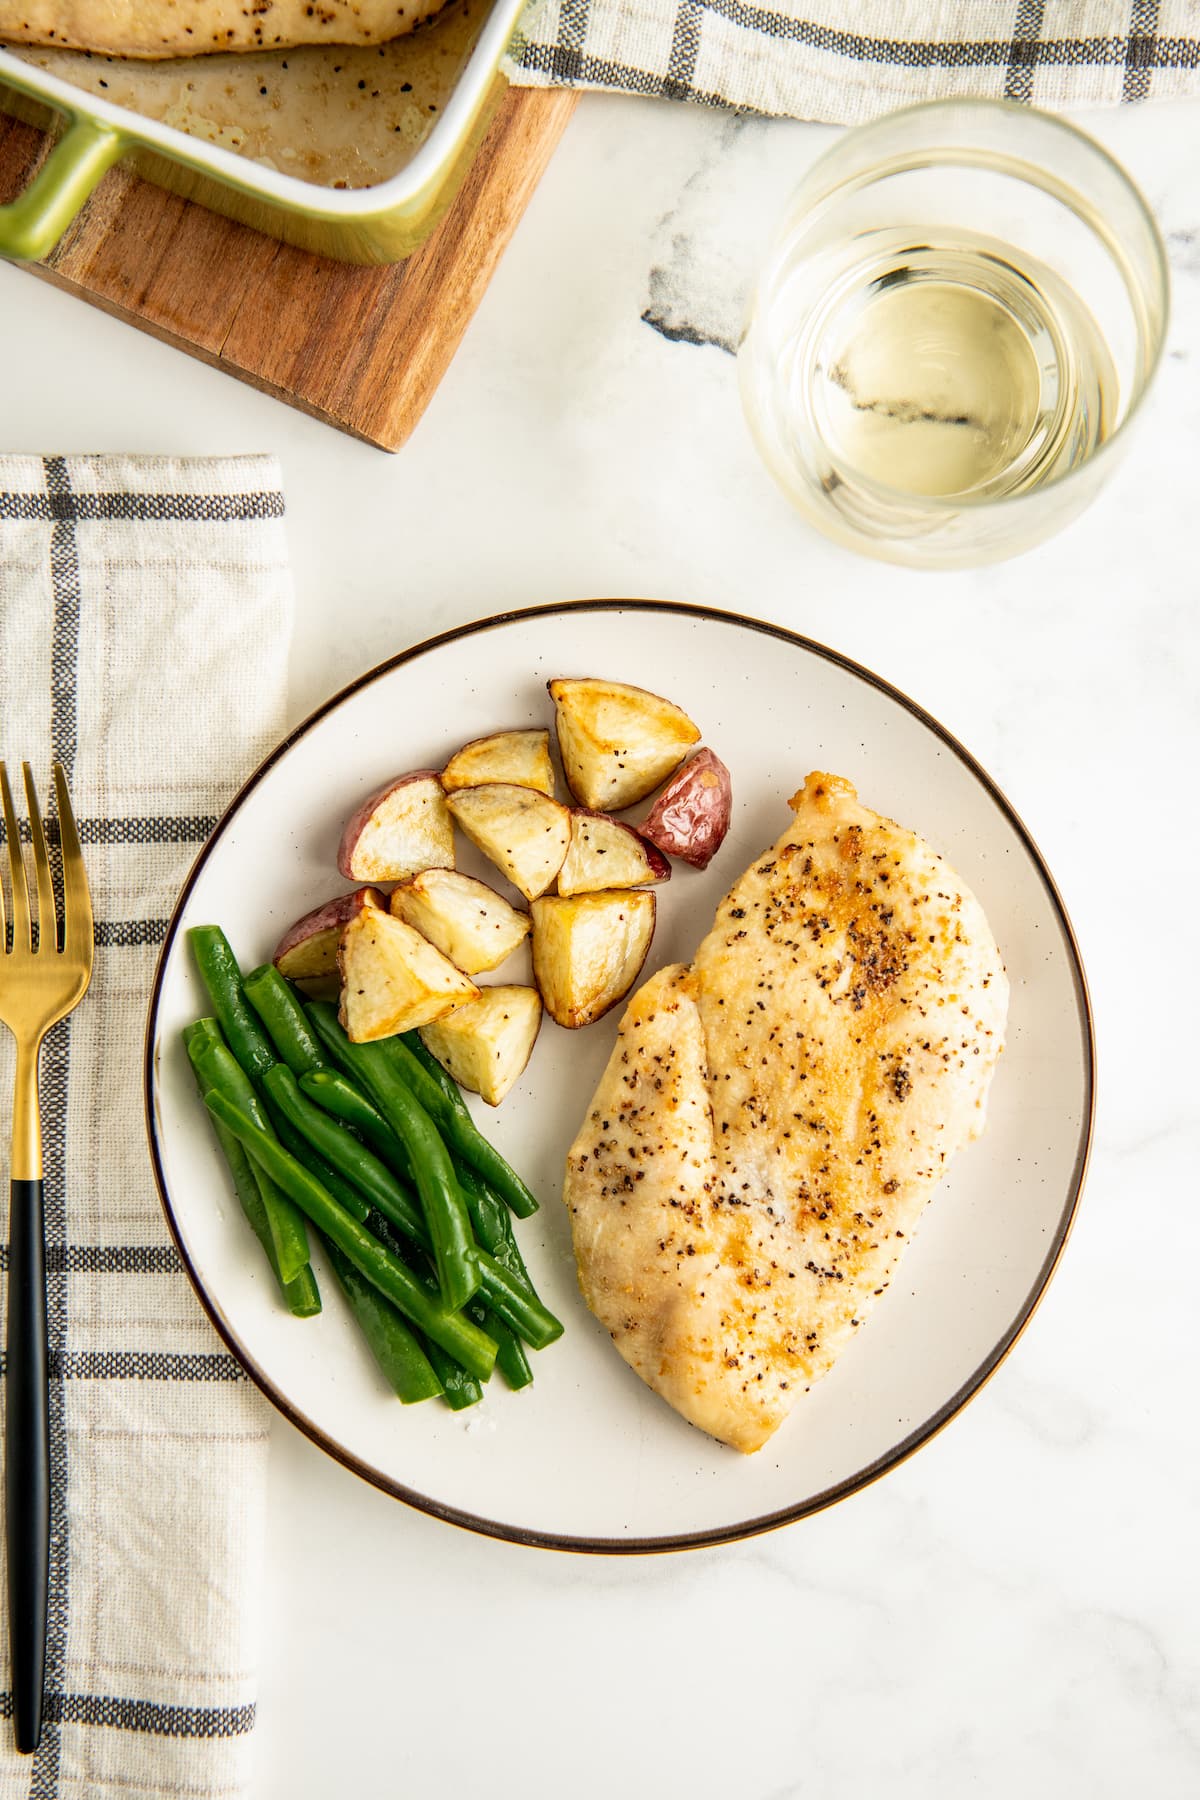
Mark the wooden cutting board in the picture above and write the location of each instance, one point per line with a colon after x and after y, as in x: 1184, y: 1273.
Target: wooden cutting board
x: 363, y: 348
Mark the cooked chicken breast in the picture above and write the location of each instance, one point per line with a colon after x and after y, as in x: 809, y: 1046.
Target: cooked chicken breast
x: 774, y: 1118
x: 157, y: 28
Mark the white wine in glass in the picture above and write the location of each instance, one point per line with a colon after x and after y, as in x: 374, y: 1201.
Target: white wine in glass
x: 963, y: 307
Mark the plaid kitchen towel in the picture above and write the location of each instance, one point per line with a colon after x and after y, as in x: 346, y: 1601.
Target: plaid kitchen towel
x: 145, y: 611
x: 844, y: 61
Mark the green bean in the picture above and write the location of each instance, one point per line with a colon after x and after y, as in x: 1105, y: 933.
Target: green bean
x: 491, y: 1219
x: 217, y: 1070
x: 433, y: 1172
x: 502, y: 1286
x: 301, y: 1295
x: 335, y: 1093
x: 458, y: 1127
x: 284, y: 1018
x: 245, y: 1187
x: 227, y: 1074
x: 433, y: 1068
x: 297, y: 1145
x: 511, y: 1359
x: 459, y: 1390
x: 394, y: 1347
x: 449, y: 1329
x: 346, y: 1155
x: 221, y: 976
x: 202, y: 1032
x: 216, y: 1066
x: 518, y: 1306
x: 491, y: 1222
x: 463, y: 1137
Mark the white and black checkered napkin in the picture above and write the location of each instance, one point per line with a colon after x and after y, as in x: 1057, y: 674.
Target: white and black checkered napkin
x: 145, y: 614
x: 844, y: 61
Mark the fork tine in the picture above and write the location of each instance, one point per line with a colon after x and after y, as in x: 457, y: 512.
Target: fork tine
x: 47, y: 918
x: 16, y: 868
x: 78, y: 930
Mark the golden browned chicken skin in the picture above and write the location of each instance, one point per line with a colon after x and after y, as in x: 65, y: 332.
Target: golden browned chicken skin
x: 774, y: 1118
x: 161, y: 28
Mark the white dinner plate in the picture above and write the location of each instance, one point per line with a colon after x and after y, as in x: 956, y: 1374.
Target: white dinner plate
x: 588, y: 1458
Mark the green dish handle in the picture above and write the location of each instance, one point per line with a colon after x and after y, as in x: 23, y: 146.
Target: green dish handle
x: 32, y: 224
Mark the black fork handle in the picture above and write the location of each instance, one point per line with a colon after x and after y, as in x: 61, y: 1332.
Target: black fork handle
x: 27, y: 1459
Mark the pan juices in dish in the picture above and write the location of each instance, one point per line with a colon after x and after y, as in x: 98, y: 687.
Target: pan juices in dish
x: 340, y: 116
x: 775, y: 1116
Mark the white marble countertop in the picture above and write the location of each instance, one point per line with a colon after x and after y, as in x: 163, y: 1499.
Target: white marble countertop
x: 1015, y: 1609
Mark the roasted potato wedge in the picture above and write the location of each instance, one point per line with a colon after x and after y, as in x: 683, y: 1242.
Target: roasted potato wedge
x: 523, y: 832
x: 521, y: 758
x: 604, y: 853
x: 466, y: 919
x: 486, y: 1043
x: 691, y: 815
x: 588, y: 950
x: 393, y: 979
x: 307, y: 951
x: 617, y: 742
x: 397, y: 830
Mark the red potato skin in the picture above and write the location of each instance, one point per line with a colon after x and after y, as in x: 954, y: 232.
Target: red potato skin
x: 691, y: 815
x: 330, y: 914
x: 358, y: 819
x: 660, y: 867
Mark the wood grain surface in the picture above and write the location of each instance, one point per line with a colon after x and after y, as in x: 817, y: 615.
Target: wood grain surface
x: 362, y: 348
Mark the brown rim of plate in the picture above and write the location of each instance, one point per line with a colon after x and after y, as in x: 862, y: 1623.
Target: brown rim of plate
x: 871, y: 1472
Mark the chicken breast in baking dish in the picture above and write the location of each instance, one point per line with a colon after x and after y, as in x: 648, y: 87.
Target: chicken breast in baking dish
x: 774, y: 1118
x: 159, y: 28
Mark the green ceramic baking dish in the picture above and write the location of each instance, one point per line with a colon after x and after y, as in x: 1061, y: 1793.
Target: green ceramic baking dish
x: 344, y: 152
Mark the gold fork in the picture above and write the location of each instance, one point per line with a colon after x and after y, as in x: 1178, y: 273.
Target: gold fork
x: 37, y: 988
